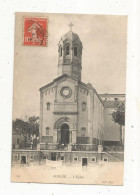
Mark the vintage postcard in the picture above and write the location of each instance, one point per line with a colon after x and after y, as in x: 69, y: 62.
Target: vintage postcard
x: 69, y: 98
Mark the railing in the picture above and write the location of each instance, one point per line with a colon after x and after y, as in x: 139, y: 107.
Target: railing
x: 113, y: 148
x: 82, y: 147
x: 53, y: 147
x: 115, y: 151
x: 74, y: 147
x: 24, y: 146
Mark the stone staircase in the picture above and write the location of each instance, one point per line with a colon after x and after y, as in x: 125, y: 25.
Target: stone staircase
x: 116, y: 155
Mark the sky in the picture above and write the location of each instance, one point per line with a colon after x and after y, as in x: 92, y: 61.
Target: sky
x: 104, y: 39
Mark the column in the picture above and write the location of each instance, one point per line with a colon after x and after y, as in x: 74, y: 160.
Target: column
x: 54, y: 136
x: 58, y: 136
x: 70, y: 137
x: 56, y: 94
x: 76, y: 93
x: 74, y: 137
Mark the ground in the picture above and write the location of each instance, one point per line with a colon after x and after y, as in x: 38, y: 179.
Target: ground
x: 110, y: 173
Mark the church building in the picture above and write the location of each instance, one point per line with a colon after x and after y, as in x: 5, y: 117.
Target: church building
x: 76, y: 126
x: 71, y: 112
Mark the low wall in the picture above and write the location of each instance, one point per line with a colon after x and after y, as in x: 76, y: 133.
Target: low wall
x: 73, y: 158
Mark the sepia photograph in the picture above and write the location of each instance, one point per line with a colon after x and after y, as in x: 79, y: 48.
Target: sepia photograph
x: 69, y: 97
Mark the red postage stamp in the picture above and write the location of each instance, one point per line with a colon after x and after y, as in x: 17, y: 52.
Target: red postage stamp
x: 35, y: 31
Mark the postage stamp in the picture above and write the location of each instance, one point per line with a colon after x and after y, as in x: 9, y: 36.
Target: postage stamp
x: 35, y: 31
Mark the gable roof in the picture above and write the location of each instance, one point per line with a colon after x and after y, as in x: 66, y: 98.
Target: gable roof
x: 87, y: 86
x: 56, y: 80
x: 111, y: 95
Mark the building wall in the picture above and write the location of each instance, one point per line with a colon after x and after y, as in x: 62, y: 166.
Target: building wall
x: 46, y: 116
x: 60, y: 107
x: 90, y: 103
x: 60, y: 99
x: 111, y: 129
x: 66, y: 108
x: 98, y: 120
x: 82, y: 115
x: 90, y: 118
x: 111, y: 97
x: 70, y: 158
x: 32, y: 156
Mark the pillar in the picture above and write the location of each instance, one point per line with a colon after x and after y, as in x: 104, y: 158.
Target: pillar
x: 70, y: 137
x: 55, y: 136
x: 58, y: 136
x: 74, y: 137
x: 100, y: 148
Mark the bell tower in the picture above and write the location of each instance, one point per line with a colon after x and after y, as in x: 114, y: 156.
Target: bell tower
x: 70, y: 55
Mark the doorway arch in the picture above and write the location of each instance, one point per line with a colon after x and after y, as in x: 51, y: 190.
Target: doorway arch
x: 65, y: 134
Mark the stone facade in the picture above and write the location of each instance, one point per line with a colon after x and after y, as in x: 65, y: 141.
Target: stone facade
x: 82, y: 112
x: 71, y: 112
x: 70, y: 55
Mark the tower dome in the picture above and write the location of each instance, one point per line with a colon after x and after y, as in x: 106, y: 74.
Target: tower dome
x: 71, y: 36
x: 70, y: 55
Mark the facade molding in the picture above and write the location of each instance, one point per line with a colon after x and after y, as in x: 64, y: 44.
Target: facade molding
x: 65, y: 113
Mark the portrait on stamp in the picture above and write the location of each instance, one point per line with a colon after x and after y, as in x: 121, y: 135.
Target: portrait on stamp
x: 69, y: 98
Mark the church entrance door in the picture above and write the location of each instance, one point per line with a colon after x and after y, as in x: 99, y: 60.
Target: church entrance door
x: 65, y: 134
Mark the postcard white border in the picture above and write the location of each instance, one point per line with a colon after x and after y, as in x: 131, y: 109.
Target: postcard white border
x: 132, y: 157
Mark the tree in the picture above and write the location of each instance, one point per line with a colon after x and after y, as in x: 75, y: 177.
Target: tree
x: 27, y: 128
x: 118, y: 116
x: 33, y: 122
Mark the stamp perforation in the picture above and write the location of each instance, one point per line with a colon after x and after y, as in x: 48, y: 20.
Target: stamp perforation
x: 46, y: 29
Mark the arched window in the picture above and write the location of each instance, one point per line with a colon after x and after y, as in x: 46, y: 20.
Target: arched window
x: 67, y: 50
x: 48, y: 105
x: 84, y: 105
x: 75, y: 51
x: 60, y: 51
x: 47, y: 130
x: 83, y: 131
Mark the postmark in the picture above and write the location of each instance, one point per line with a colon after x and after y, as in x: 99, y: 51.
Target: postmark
x: 35, y: 31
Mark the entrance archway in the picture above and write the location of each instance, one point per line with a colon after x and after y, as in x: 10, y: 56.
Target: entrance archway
x: 65, y: 134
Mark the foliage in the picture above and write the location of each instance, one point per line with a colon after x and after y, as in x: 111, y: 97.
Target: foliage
x: 118, y: 116
x: 26, y: 128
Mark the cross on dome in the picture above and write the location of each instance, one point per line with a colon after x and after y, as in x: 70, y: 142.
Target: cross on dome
x: 71, y: 25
